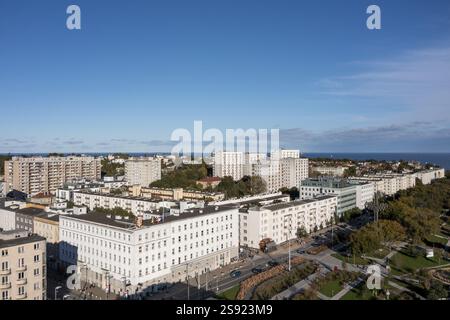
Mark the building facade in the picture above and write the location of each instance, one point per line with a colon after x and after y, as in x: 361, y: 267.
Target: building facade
x: 46, y: 174
x: 281, y: 221
x: 142, y: 171
x: 23, y: 269
x: 137, y: 256
x: 229, y: 164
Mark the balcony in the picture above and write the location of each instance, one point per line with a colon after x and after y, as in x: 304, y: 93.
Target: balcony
x: 5, y: 272
x: 22, y: 281
x: 21, y: 296
x: 21, y: 268
x: 5, y: 286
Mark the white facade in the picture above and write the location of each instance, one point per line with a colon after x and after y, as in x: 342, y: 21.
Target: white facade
x: 330, y: 171
x: 281, y: 221
x: 364, y: 194
x: 346, y: 193
x: 283, y: 154
x: 229, y: 164
x: 134, y: 205
x: 7, y: 219
x: 142, y: 171
x: 195, y: 241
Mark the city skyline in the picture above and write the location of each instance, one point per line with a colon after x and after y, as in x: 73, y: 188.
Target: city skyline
x: 136, y: 72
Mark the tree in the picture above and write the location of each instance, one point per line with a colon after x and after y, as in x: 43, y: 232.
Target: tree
x: 257, y: 185
x: 301, y: 232
x: 350, y: 172
x: 437, y: 291
x: 377, y: 205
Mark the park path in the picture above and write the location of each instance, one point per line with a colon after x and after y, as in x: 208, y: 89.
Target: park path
x: 346, y: 289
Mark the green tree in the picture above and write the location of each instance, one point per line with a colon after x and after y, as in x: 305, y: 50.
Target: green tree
x: 301, y: 232
x: 437, y: 291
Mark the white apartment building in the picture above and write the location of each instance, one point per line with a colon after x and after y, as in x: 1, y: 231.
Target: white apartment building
x: 283, y: 154
x: 284, y: 173
x: 142, y: 171
x: 229, y: 164
x: 427, y: 176
x: 134, y: 256
x: 364, y: 194
x: 330, y: 171
x: 252, y: 159
x: 46, y: 174
x: 134, y: 205
x: 346, y: 192
x: 281, y: 221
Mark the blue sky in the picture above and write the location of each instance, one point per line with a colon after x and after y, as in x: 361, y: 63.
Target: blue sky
x: 140, y: 69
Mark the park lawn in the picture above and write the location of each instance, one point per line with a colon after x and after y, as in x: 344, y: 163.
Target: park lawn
x: 230, y: 294
x: 403, y: 263
x: 331, y: 288
x: 351, y: 260
x: 358, y: 293
x: 435, y: 239
x: 379, y: 253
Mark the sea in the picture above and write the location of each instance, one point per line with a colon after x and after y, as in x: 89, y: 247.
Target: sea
x: 440, y: 159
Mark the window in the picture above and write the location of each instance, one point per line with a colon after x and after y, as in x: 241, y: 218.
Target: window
x: 5, y: 295
x: 4, y: 253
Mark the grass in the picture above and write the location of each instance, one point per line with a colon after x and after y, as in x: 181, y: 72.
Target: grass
x: 359, y: 293
x: 331, y: 288
x: 351, y: 260
x: 379, y: 253
x: 229, y: 294
x: 435, y: 239
x: 402, y: 262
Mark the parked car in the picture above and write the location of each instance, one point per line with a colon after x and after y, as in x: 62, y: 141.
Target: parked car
x: 257, y: 270
x: 235, y: 273
x: 301, y: 251
x: 272, y: 263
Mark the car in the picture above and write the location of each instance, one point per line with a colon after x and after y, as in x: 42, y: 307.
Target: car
x: 256, y: 270
x: 301, y: 251
x: 272, y: 263
x: 235, y: 273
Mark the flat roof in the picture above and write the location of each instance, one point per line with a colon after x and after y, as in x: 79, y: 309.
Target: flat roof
x: 119, y: 196
x: 20, y: 240
x: 102, y: 218
x: 284, y: 205
x: 31, y: 211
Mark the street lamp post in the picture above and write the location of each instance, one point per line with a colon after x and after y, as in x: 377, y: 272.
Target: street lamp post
x: 56, y: 291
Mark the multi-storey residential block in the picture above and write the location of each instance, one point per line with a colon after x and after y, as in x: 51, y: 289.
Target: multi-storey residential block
x: 46, y: 174
x: 22, y: 266
x: 283, y: 173
x: 229, y: 164
x: 281, y: 221
x: 123, y: 255
x: 345, y: 192
x: 134, y: 205
x: 47, y: 226
x: 330, y: 171
x: 283, y: 154
x: 142, y: 171
x: 175, y: 194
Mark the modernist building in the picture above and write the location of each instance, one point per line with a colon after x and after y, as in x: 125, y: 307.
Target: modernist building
x: 46, y: 174
x: 142, y: 171
x: 346, y: 192
x: 229, y: 164
x: 134, y: 205
x: 47, y: 226
x: 131, y: 256
x: 22, y: 266
x: 281, y: 221
x: 175, y: 194
x: 330, y: 171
